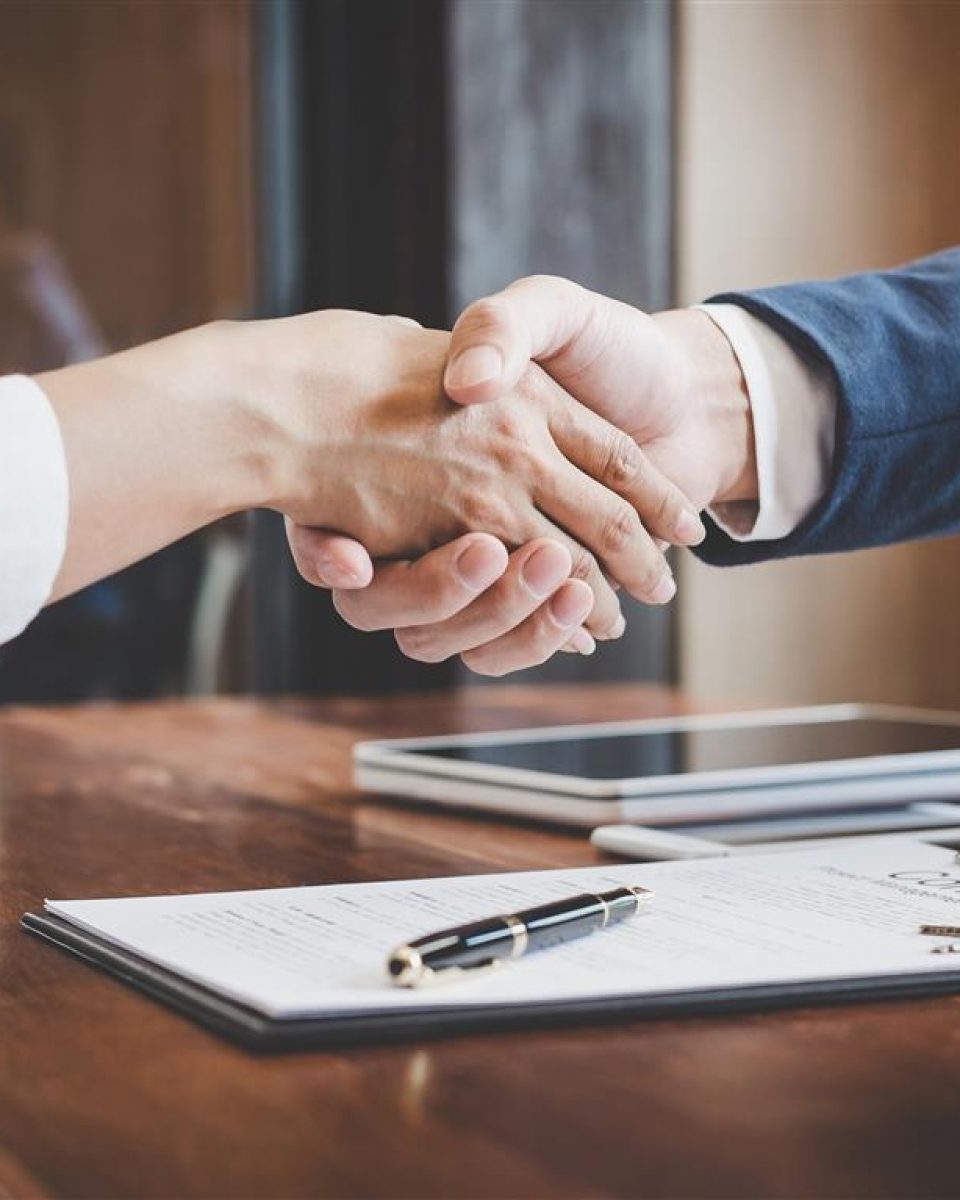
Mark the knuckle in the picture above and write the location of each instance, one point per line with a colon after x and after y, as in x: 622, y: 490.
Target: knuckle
x: 623, y: 462
x: 510, y: 427
x: 541, y: 281
x: 522, y: 462
x: 482, y: 664
x: 349, y: 607
x: 489, y: 313
x: 484, y: 511
x: 619, y: 530
x: 526, y: 386
x: 535, y: 280
x: 419, y: 644
x: 539, y: 470
x: 536, y: 390
x: 304, y: 569
x: 221, y: 327
x: 513, y: 463
x: 584, y: 564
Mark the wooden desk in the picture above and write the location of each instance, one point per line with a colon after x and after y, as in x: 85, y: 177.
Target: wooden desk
x: 104, y: 1093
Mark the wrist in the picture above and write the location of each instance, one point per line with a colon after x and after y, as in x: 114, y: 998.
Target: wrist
x: 158, y: 444
x: 242, y: 413
x: 714, y: 391
x: 292, y: 392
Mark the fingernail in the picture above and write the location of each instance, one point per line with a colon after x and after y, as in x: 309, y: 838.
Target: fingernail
x: 477, y: 568
x: 616, y: 630
x: 567, y: 607
x: 690, y: 529
x: 545, y: 570
x: 474, y: 365
x: 582, y: 642
x: 334, y: 574
x: 665, y: 590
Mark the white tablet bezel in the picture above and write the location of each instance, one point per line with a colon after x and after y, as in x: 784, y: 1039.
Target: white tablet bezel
x: 398, y: 756
x: 677, y: 808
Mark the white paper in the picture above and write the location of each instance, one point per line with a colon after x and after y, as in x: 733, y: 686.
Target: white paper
x: 829, y: 914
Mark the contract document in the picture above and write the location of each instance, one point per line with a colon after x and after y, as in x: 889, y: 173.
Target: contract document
x: 830, y: 922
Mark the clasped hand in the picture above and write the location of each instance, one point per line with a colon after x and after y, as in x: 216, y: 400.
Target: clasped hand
x: 527, y: 459
x: 469, y: 597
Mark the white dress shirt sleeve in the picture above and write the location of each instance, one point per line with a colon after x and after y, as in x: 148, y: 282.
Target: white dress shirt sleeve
x: 794, y: 406
x: 34, y: 502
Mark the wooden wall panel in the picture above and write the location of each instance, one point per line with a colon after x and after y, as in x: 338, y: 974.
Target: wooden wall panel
x: 134, y: 124
x: 815, y: 139
x: 125, y: 142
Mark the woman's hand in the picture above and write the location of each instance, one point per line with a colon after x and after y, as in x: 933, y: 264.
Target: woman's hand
x: 499, y: 612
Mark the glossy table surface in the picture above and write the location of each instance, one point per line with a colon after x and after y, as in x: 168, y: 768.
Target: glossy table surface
x: 104, y: 1093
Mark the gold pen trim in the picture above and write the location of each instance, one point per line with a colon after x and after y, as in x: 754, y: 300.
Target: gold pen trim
x: 642, y: 895
x: 406, y: 967
x: 521, y: 939
x: 941, y: 930
x: 412, y: 972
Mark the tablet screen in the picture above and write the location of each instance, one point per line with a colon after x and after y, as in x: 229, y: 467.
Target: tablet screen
x: 635, y: 755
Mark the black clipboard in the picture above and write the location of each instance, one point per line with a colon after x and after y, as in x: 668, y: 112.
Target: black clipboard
x: 254, y: 1031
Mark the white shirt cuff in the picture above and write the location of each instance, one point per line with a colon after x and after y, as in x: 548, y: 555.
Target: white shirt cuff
x: 794, y: 406
x: 34, y: 502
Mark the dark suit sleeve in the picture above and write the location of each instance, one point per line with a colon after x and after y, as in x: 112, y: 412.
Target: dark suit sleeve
x: 892, y: 342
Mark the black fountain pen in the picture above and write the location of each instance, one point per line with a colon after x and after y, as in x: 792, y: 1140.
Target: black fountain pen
x: 456, y: 953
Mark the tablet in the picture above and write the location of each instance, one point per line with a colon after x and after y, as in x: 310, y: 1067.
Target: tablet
x: 679, y: 769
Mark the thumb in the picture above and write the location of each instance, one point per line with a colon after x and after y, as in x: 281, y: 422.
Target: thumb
x: 329, y: 560
x: 495, y: 339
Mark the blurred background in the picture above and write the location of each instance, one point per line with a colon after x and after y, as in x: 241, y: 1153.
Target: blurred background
x: 165, y: 162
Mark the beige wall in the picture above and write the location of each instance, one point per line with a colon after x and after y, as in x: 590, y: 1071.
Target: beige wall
x: 818, y: 138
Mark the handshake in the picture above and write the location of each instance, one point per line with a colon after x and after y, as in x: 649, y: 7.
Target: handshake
x: 551, y: 447
x: 483, y: 493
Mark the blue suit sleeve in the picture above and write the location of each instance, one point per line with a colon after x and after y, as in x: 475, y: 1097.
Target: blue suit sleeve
x: 892, y: 342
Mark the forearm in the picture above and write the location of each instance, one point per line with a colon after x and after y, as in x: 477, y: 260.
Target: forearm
x: 159, y: 442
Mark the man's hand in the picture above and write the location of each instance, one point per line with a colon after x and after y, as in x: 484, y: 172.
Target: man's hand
x: 671, y: 380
